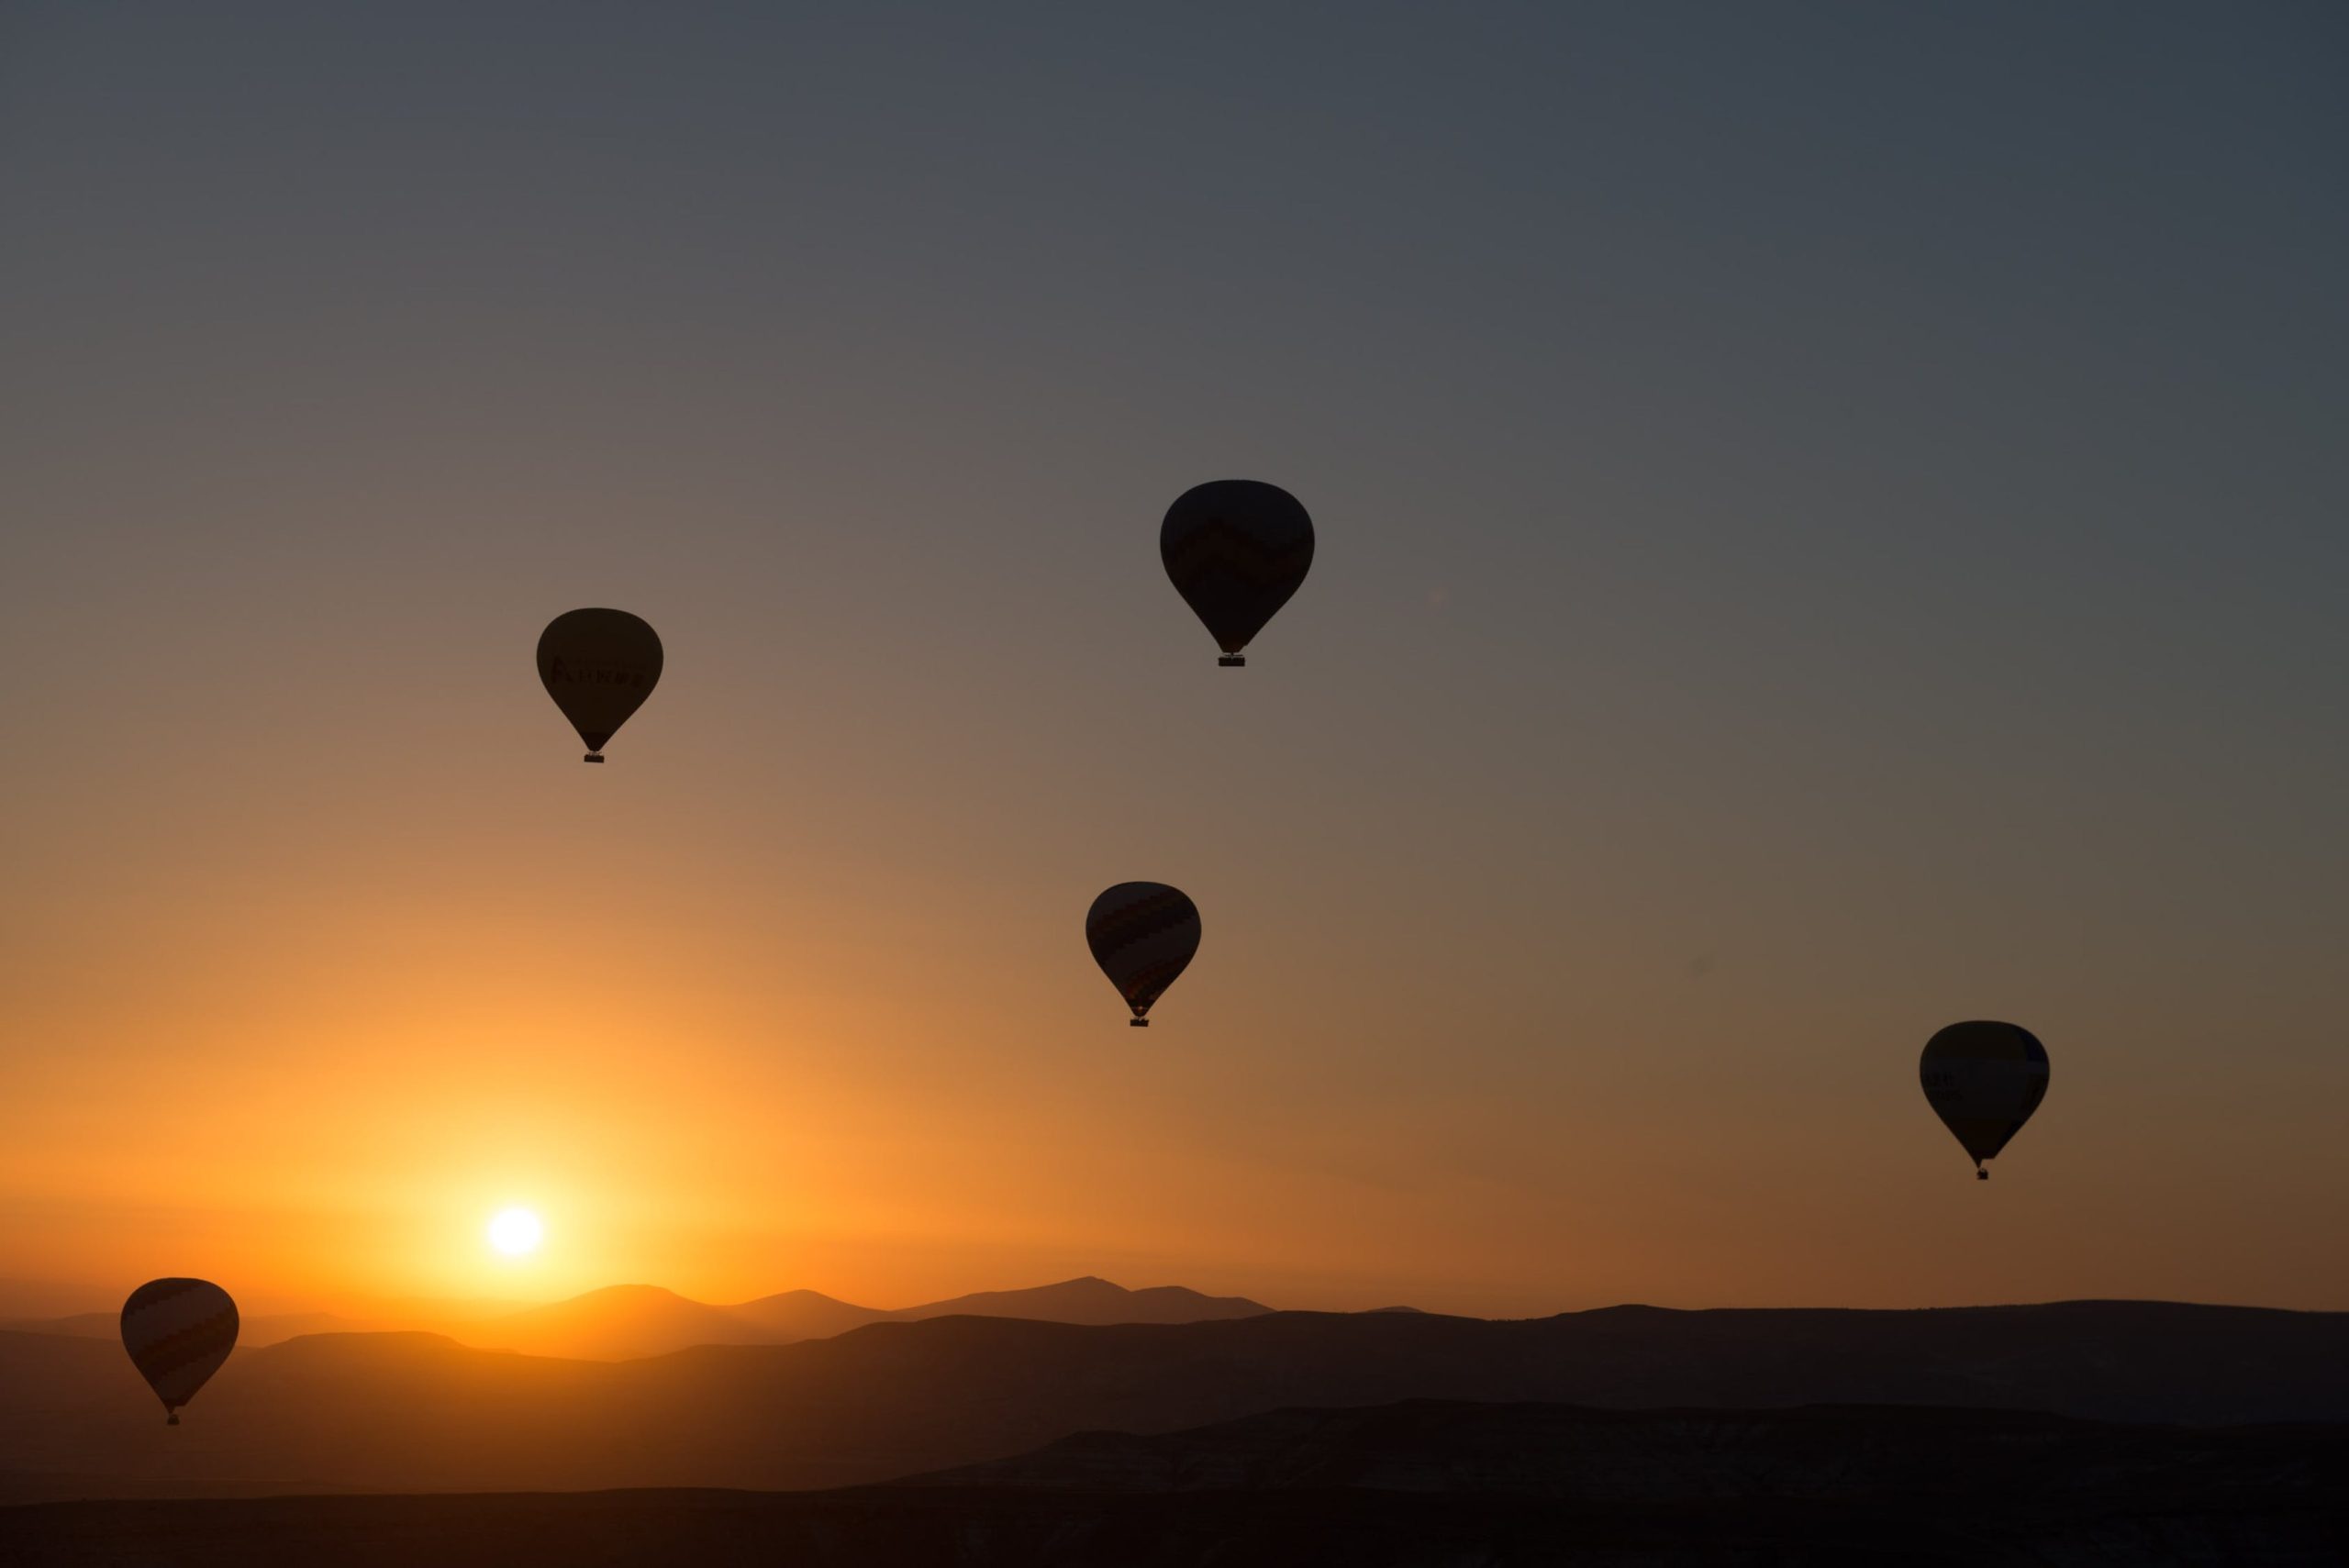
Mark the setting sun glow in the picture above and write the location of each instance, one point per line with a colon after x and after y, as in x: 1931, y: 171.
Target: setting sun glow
x: 515, y: 1232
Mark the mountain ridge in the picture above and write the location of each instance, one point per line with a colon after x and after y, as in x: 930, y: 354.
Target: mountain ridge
x: 1386, y: 1485
x: 421, y: 1412
x: 627, y: 1322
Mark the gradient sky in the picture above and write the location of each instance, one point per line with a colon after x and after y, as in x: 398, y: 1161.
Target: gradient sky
x: 1834, y: 519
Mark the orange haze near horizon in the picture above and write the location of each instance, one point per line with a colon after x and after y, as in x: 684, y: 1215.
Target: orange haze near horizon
x: 727, y: 1035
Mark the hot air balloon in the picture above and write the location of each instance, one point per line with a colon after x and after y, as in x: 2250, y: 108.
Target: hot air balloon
x: 178, y: 1331
x: 600, y: 666
x: 1236, y: 549
x: 1984, y: 1079
x: 1142, y: 935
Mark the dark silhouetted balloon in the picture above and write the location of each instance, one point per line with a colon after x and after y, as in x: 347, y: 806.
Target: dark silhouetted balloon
x: 178, y: 1331
x: 600, y: 666
x: 1236, y: 549
x: 1142, y: 935
x: 1984, y: 1079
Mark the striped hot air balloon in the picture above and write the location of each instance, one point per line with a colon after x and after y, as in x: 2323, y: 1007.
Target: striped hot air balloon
x: 1984, y: 1079
x: 600, y: 666
x: 1142, y: 935
x: 178, y: 1331
x: 1236, y: 549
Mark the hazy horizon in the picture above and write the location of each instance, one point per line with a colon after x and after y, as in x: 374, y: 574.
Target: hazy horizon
x: 1831, y: 521
x: 12, y: 1290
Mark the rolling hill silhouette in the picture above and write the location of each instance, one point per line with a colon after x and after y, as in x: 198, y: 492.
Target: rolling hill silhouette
x: 1090, y: 1300
x: 455, y: 1317
x: 625, y: 1321
x: 268, y: 1329
x: 796, y: 1315
x: 1574, y: 1452
x: 616, y: 1323
x: 419, y: 1412
x: 1413, y: 1483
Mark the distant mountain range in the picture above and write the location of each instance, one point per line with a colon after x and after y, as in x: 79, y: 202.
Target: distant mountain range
x: 418, y: 1412
x: 252, y: 1333
x: 1415, y: 1483
x: 625, y: 1321
x: 632, y: 1321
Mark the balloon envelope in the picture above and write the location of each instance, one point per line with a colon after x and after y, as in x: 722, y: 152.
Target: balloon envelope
x: 1142, y: 935
x: 178, y: 1331
x: 600, y: 666
x: 1236, y: 549
x: 1984, y: 1079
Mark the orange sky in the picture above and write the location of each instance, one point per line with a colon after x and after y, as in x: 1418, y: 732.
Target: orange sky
x: 1788, y: 580
x: 309, y: 1012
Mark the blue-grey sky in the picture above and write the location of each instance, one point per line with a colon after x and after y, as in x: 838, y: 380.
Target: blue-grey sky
x: 1831, y: 521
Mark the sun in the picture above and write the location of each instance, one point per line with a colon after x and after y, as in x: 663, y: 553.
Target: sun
x: 515, y: 1232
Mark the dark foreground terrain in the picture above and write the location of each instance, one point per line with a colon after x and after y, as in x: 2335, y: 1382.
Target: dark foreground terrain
x: 385, y: 1413
x: 1423, y: 1481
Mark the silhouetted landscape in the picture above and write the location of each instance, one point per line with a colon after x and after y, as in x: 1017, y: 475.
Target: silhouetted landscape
x: 403, y: 1412
x: 1417, y: 1482
x: 624, y: 1321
